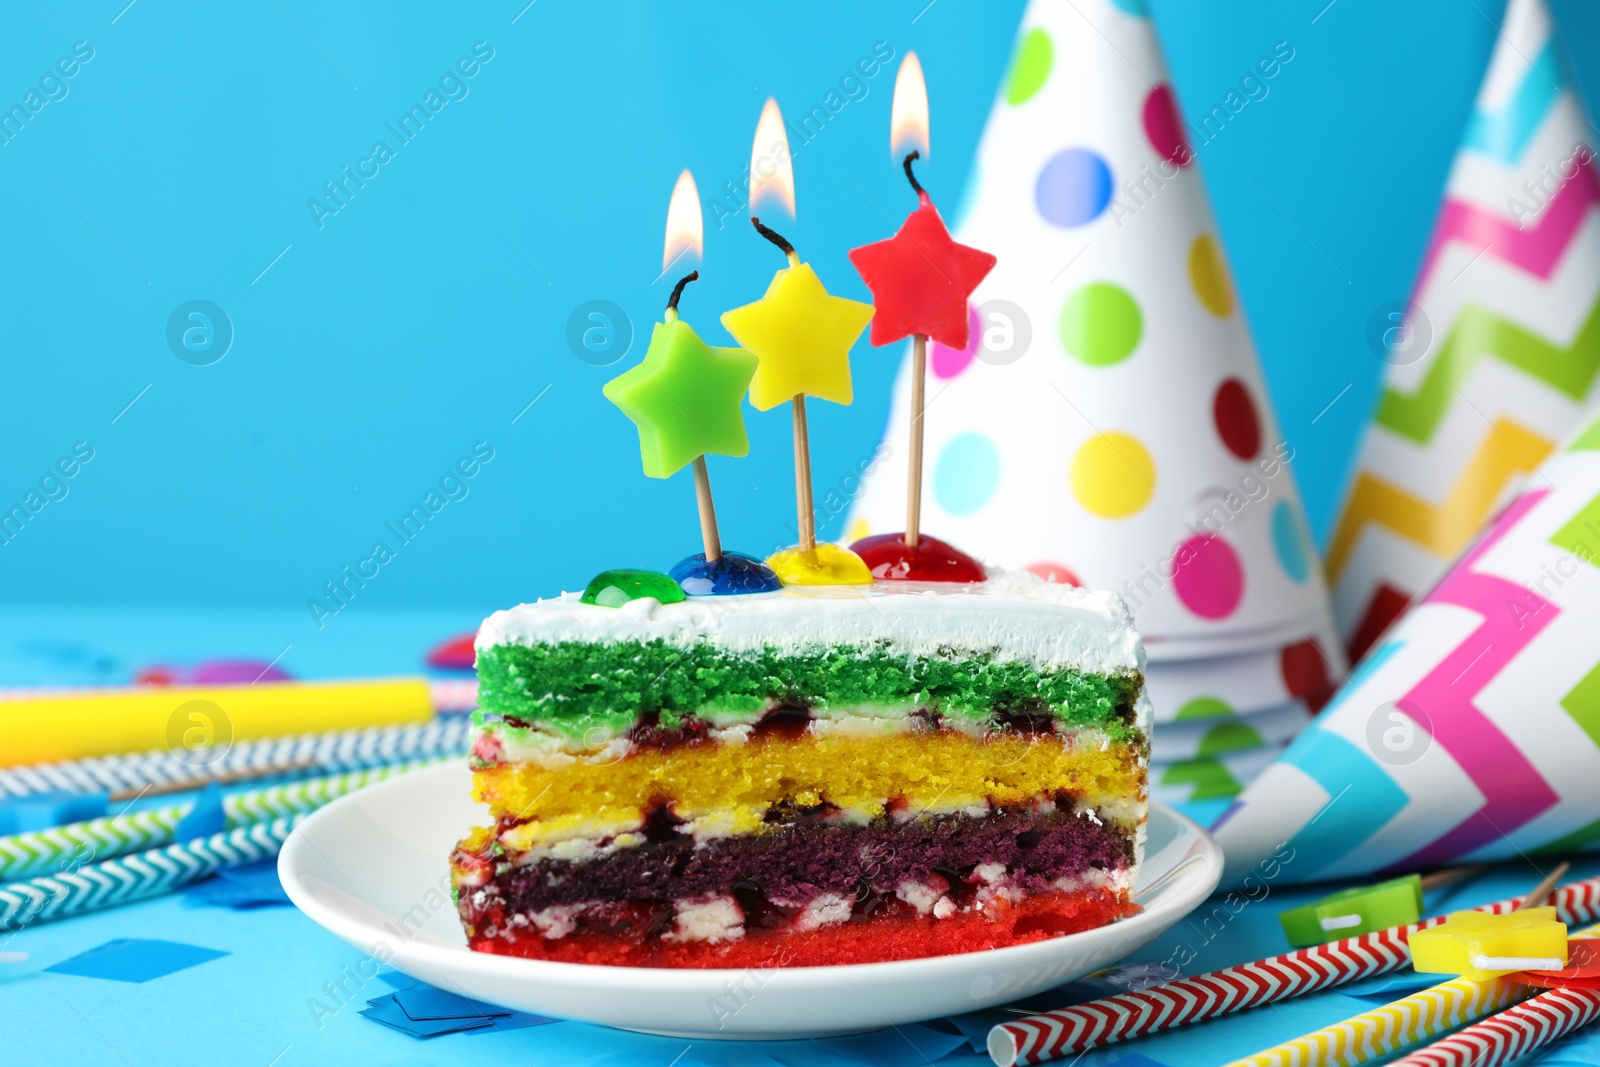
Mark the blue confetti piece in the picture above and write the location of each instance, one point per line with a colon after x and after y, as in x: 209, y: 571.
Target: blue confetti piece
x: 901, y: 1046
x: 975, y: 1026
x: 41, y: 811
x: 1401, y: 982
x: 206, y: 817
x: 517, y: 1020
x: 396, y: 979
x: 385, y: 1010
x: 135, y: 960
x: 423, y: 1002
x: 253, y: 885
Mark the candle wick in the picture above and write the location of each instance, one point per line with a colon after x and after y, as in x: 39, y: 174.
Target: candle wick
x: 910, y: 177
x: 677, y: 290
x: 772, y: 235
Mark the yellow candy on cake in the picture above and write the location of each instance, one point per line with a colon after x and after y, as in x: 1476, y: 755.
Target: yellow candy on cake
x: 1481, y: 946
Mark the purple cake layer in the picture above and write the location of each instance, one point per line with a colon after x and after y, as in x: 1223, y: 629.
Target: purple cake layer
x: 800, y: 860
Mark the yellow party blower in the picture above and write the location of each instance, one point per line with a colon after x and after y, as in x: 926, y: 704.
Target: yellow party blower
x: 73, y: 725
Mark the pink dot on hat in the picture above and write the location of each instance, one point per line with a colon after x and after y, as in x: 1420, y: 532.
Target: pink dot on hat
x: 1237, y: 422
x: 1054, y: 572
x: 1162, y: 126
x: 1208, y: 577
x: 949, y: 362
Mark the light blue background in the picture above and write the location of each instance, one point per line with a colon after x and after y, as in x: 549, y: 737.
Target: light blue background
x: 432, y: 309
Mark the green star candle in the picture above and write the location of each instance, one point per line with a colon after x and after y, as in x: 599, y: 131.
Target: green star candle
x: 685, y: 396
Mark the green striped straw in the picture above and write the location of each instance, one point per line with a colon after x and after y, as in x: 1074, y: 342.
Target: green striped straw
x: 63, y: 848
x: 140, y: 876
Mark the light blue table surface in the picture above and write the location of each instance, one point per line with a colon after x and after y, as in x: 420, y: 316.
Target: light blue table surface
x: 253, y: 1005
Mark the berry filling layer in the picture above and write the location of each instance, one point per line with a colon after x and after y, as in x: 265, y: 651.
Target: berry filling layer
x: 903, y: 886
x: 897, y: 933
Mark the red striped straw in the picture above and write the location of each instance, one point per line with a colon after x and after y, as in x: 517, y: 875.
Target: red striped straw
x: 1038, y: 1038
x: 1513, y: 1033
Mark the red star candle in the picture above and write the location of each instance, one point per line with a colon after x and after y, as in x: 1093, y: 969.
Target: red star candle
x: 921, y: 280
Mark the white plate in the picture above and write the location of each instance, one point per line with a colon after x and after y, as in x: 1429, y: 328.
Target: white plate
x: 372, y: 867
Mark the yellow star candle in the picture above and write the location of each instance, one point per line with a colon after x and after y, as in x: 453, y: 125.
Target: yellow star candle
x: 1481, y: 946
x: 801, y: 337
x: 685, y: 398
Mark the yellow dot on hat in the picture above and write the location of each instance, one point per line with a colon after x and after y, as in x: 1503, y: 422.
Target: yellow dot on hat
x: 1113, y: 475
x: 1209, y: 275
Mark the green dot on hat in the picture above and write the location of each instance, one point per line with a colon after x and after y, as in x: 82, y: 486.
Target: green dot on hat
x: 1101, y: 324
x: 1030, y: 67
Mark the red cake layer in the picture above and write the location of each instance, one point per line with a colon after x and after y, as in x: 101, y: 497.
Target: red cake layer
x: 891, y: 936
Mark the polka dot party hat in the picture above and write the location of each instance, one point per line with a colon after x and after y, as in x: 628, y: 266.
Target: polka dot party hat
x: 1107, y: 423
x: 1498, y: 350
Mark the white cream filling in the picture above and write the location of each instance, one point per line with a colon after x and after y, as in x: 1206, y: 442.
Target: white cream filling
x: 555, y: 922
x: 829, y: 909
x: 714, y: 921
x: 1118, y: 881
x: 919, y: 895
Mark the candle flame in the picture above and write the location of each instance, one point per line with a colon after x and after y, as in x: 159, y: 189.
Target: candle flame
x: 771, y: 169
x: 685, y: 227
x: 908, y: 116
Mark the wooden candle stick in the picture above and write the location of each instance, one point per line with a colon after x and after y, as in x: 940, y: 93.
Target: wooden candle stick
x: 1541, y: 892
x: 802, y: 476
x: 919, y: 385
x: 1450, y: 875
x: 708, y: 511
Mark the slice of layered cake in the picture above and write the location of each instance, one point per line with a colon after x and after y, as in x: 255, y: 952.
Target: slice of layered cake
x: 820, y: 775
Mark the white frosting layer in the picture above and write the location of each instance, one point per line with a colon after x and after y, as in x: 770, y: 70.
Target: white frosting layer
x: 1012, y: 616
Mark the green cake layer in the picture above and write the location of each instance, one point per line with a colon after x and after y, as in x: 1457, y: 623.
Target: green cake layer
x: 572, y: 688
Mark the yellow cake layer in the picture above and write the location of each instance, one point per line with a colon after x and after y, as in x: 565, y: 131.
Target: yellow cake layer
x: 730, y: 787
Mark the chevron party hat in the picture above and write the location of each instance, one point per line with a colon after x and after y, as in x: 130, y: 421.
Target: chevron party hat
x: 1496, y: 354
x: 1107, y: 423
x: 1472, y: 732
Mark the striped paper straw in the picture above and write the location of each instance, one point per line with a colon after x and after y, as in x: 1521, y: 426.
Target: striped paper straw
x: 1408, y: 1021
x: 1038, y: 1038
x: 96, y: 886
x: 29, y: 854
x: 1513, y: 1033
x: 345, y: 750
x: 446, y: 694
